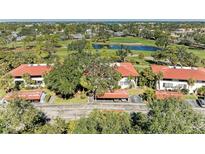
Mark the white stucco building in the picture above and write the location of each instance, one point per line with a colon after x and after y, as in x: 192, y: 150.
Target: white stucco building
x: 35, y: 71
x: 177, y: 77
x: 129, y: 75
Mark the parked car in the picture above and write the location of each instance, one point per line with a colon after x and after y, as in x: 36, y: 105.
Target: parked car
x: 120, y: 100
x: 201, y: 101
x: 136, y: 99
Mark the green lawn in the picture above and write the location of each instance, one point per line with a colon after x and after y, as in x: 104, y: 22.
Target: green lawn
x: 198, y: 52
x: 76, y: 99
x: 136, y: 91
x: 2, y: 93
x: 189, y: 96
x: 132, y: 40
x: 59, y: 100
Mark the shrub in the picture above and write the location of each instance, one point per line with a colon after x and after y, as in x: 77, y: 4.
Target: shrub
x: 148, y: 95
x: 141, y: 55
x: 201, y: 91
x: 185, y: 91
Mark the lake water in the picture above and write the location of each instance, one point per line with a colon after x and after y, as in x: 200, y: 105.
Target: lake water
x: 129, y: 47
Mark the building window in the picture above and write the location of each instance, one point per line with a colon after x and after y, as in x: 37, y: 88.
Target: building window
x: 39, y: 82
x: 167, y: 85
x: 182, y: 86
x: 124, y: 83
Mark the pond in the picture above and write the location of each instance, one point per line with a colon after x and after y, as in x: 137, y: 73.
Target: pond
x: 129, y: 47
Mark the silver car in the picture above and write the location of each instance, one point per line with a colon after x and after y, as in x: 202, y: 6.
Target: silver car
x: 201, y: 102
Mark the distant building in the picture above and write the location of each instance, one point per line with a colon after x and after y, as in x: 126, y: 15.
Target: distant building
x: 77, y: 36
x: 20, y: 38
x: 89, y: 33
x: 118, y: 34
x: 175, y: 78
x: 129, y: 74
x: 35, y: 71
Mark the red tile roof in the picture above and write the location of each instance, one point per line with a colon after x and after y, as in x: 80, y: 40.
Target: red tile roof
x: 114, y: 95
x: 29, y: 95
x: 126, y: 69
x: 31, y: 69
x: 180, y: 73
x: 168, y: 94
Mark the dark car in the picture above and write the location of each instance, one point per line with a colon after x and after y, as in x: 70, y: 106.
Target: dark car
x: 201, y: 102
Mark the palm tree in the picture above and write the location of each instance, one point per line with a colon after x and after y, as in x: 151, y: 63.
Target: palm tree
x: 190, y: 82
x: 123, y: 53
x: 159, y: 76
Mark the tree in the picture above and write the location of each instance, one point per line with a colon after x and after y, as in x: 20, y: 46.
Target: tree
x: 7, y: 83
x: 146, y: 33
x: 82, y: 70
x: 100, y: 76
x: 203, y: 62
x: 39, y: 47
x: 27, y: 79
x: 79, y: 45
x: 58, y: 126
x: 104, y: 122
x: 27, y: 40
x: 2, y: 42
x: 172, y: 116
x: 11, y: 60
x: 102, y: 34
x: 50, y: 44
x: 141, y: 56
x: 162, y: 41
x: 148, y: 95
x: 65, y: 78
x: 139, y: 122
x: 177, y: 55
x: 148, y: 78
x: 122, y: 53
x: 20, y: 117
x: 201, y: 91
x: 191, y: 82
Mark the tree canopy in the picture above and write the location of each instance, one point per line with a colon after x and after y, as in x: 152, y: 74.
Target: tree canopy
x: 20, y: 117
x: 177, y: 55
x: 148, y: 78
x: 104, y: 122
x: 169, y: 116
x: 174, y: 117
x: 82, y: 70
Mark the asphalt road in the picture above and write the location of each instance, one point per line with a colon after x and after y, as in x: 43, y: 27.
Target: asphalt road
x: 75, y: 111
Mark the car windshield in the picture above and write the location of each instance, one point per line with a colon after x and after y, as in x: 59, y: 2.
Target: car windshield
x: 203, y: 102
